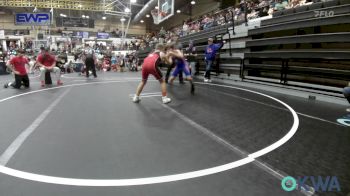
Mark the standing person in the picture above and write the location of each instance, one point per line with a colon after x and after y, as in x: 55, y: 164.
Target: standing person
x: 151, y: 66
x: 210, y: 52
x: 191, y: 55
x: 18, y: 67
x: 130, y: 60
x: 90, y: 63
x: 114, y: 63
x: 120, y: 60
x: 181, y: 65
x: 47, y: 63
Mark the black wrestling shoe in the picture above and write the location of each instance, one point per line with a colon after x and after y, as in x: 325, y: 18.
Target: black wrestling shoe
x: 6, y: 85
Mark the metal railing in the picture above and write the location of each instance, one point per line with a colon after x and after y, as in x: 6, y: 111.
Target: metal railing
x: 87, y: 5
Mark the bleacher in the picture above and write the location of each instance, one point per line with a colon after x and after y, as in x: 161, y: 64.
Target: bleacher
x: 302, y: 47
x: 307, y: 46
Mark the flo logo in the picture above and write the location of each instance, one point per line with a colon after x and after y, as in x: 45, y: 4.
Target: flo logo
x: 319, y: 14
x: 319, y: 183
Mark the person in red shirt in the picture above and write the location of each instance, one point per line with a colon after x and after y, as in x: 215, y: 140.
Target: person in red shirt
x: 150, y: 66
x: 18, y: 67
x: 47, y: 63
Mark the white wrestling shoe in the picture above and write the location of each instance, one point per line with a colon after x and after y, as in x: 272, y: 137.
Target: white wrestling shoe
x: 348, y: 110
x: 136, y: 99
x: 166, y: 100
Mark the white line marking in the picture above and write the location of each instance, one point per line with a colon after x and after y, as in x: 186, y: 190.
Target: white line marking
x: 230, y: 146
x: 86, y: 80
x: 159, y: 179
x: 206, y: 131
x: 64, y: 86
x: 280, y: 108
x: 147, y: 93
x: 320, y: 119
x: 17, y: 143
x: 142, y: 95
x: 145, y: 96
x: 108, y: 78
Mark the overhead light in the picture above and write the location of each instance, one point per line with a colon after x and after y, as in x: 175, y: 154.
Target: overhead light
x: 104, y: 18
x: 87, y: 16
x: 127, y: 10
x: 83, y: 16
x: 132, y: 1
x: 80, y: 5
x: 193, y: 2
x: 63, y: 15
x: 178, y: 11
x: 156, y: 7
x: 122, y: 19
x: 148, y: 16
x: 142, y: 21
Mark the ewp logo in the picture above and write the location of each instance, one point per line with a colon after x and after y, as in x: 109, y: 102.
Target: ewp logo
x: 319, y: 184
x: 33, y: 19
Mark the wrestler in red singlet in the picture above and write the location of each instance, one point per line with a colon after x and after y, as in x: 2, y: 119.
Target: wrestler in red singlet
x: 151, y: 66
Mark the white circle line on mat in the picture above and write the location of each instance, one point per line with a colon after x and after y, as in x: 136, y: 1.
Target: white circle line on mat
x: 158, y: 179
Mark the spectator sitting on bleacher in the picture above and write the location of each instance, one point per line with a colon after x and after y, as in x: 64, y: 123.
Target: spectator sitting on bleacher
x: 253, y: 14
x: 305, y: 2
x: 191, y: 54
x: 293, y: 4
x: 185, y: 29
x: 281, y: 5
x: 263, y: 12
x: 263, y: 3
x: 210, y: 23
x: 220, y: 19
x: 196, y: 27
x: 204, y: 22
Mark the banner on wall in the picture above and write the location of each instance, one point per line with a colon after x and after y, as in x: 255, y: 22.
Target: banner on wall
x: 101, y: 35
x: 33, y: 19
x: 74, y: 22
x: 83, y: 34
